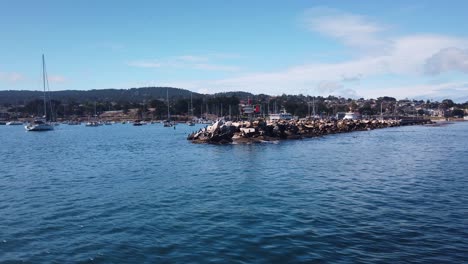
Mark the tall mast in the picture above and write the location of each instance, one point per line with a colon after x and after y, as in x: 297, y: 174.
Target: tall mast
x: 313, y: 105
x: 167, y: 95
x: 44, y: 86
x: 191, y: 104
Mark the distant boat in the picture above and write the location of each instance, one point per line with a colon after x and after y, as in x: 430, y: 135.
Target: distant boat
x: 352, y: 116
x: 283, y: 115
x: 42, y: 124
x: 93, y: 124
x: 137, y: 123
x: 167, y: 123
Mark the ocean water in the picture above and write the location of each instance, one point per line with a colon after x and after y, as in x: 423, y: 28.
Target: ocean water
x: 125, y: 194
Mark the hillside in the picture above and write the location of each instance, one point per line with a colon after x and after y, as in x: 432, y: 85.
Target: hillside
x: 133, y: 95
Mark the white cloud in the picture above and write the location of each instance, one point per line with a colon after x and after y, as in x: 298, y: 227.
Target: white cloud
x: 410, y: 53
x: 192, y: 58
x: 351, y: 29
x: 57, y: 79
x: 449, y: 59
x: 215, y: 67
x: 425, y: 90
x: 11, y: 77
x: 145, y: 64
x: 354, y: 78
x: 187, y: 62
x: 380, y: 54
x: 406, y: 59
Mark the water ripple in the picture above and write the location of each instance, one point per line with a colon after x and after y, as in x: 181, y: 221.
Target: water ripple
x: 117, y: 194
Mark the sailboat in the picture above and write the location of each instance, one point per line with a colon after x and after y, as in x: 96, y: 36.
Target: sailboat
x: 168, y: 122
x: 190, y: 122
x: 41, y: 124
x: 94, y: 122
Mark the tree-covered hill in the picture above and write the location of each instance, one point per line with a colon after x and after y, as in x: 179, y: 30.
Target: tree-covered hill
x: 108, y: 95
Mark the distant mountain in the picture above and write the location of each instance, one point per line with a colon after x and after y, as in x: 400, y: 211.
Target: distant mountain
x: 109, y: 95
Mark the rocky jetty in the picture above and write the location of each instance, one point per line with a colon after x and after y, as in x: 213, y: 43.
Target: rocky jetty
x: 258, y: 131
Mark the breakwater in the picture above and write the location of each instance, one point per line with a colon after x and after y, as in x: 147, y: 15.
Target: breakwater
x: 259, y: 130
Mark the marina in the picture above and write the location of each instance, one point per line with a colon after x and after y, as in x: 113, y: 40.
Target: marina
x: 263, y: 132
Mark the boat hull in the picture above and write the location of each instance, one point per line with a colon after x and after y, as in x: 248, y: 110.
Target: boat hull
x: 39, y: 127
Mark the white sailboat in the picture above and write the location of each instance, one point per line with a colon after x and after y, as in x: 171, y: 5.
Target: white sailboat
x: 168, y: 123
x: 41, y: 124
x: 94, y: 122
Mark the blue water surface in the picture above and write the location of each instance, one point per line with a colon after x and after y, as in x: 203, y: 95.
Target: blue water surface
x: 125, y: 194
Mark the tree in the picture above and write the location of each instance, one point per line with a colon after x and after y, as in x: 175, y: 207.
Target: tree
x: 458, y: 112
x: 447, y: 103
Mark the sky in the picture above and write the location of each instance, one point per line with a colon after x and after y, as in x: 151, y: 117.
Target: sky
x: 403, y: 49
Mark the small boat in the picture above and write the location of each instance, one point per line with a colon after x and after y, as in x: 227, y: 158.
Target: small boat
x: 168, y: 123
x: 93, y: 124
x: 352, y: 116
x: 137, y: 123
x: 283, y: 115
x: 41, y: 124
x: 190, y: 123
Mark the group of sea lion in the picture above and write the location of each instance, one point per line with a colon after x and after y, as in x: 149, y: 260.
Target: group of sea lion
x: 222, y: 132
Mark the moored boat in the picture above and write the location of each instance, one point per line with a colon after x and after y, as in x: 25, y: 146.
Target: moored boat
x: 167, y: 123
x: 352, y: 116
x: 137, y: 123
x: 283, y: 115
x: 41, y: 124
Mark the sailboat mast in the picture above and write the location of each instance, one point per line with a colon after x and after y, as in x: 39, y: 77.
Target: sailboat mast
x: 44, y: 85
x: 167, y: 95
x: 191, y: 105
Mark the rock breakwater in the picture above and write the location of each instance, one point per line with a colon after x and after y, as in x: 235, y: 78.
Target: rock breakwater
x: 223, y: 132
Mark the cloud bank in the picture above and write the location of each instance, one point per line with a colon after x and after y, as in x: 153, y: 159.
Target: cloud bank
x: 449, y: 59
x: 378, y: 54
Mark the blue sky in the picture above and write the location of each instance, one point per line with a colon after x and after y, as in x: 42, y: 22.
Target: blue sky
x: 405, y: 49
